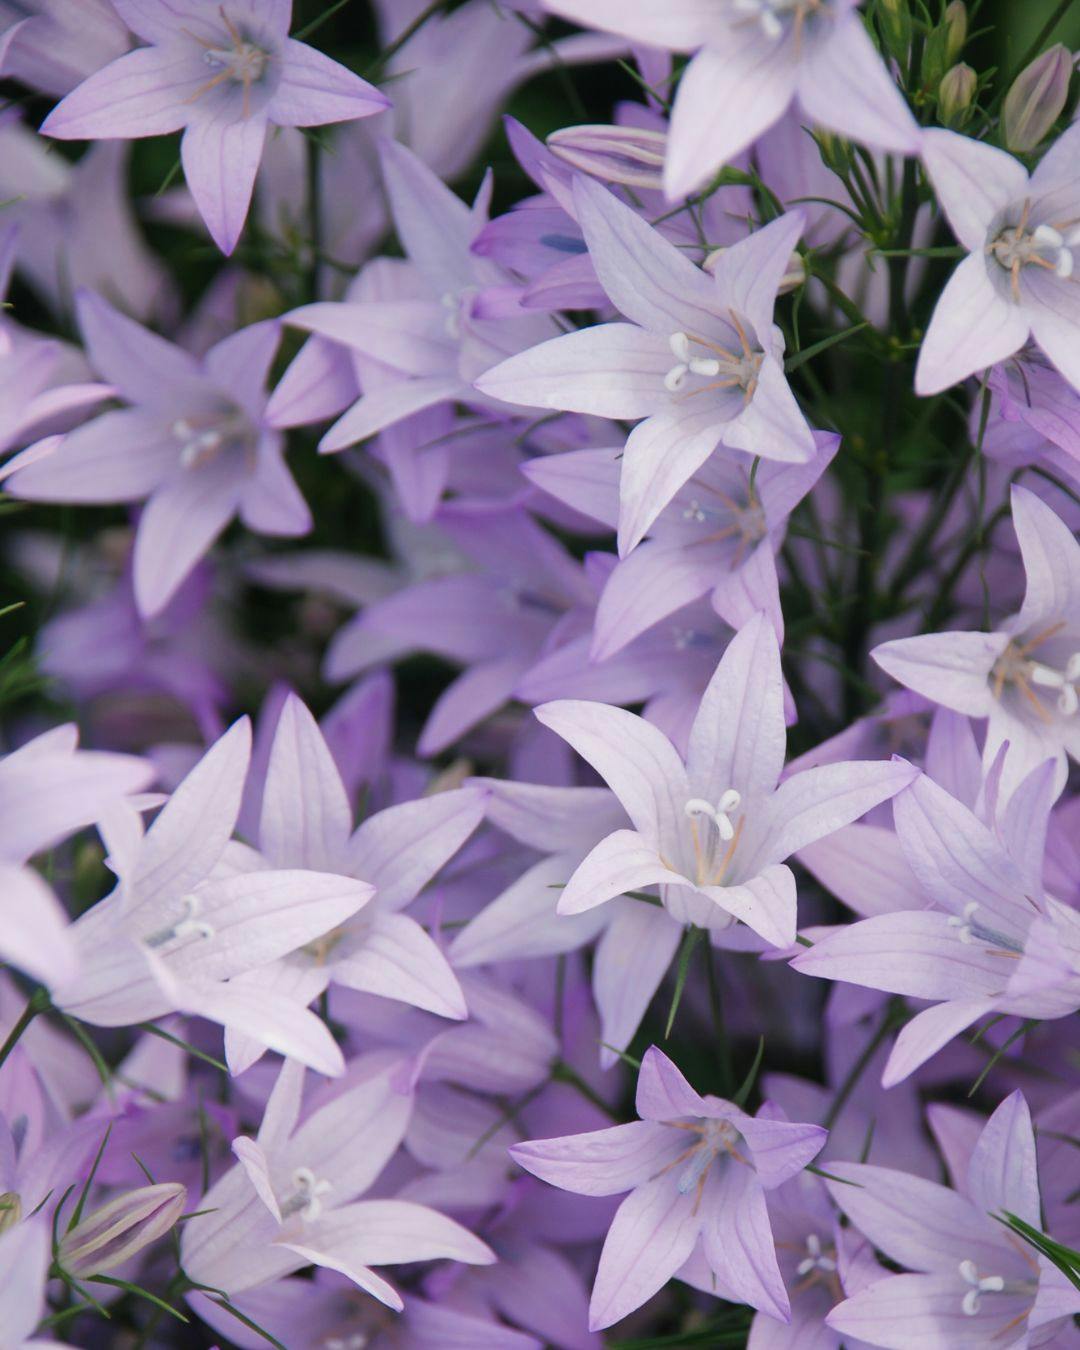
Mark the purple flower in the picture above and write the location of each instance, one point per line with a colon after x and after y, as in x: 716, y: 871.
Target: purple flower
x: 697, y: 1169
x: 700, y: 361
x: 193, y: 442
x: 1025, y: 677
x: 1017, y: 281
x: 974, y: 1283
x: 755, y: 58
x: 223, y: 73
x: 713, y: 832
x: 291, y: 1200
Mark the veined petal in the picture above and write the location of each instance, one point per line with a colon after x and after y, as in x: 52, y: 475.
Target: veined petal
x: 146, y: 92
x: 1002, y: 1173
x: 622, y: 862
x: 973, y: 182
x: 973, y: 326
x: 766, y: 903
x: 601, y: 1162
x: 901, y: 1311
x: 1051, y: 557
x: 306, y: 817
x: 612, y: 370
x: 952, y: 669
x: 637, y: 762
x: 817, y: 802
x: 682, y: 25
x: 394, y: 1232
x: 221, y: 158
x: 397, y: 959
x: 312, y: 90
x: 34, y: 933
x: 928, y: 1032
x: 653, y: 1232
x: 632, y: 958
x: 738, y: 1240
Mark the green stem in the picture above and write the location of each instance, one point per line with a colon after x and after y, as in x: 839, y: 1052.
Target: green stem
x: 561, y: 1072
x: 888, y: 1023
x: 38, y: 1002
x: 409, y: 31
x: 723, y: 1045
x: 1034, y: 47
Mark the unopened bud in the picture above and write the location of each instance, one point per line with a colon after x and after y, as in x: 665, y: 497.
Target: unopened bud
x: 10, y: 1210
x: 794, y: 274
x: 110, y: 1235
x: 1037, y: 96
x: 626, y: 155
x: 896, y: 26
x: 956, y: 29
x: 955, y: 93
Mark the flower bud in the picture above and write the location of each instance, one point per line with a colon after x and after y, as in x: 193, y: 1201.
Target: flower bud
x: 108, y: 1236
x: 10, y: 1210
x: 615, y: 154
x: 896, y: 26
x: 1036, y: 99
x: 956, y: 29
x: 955, y: 93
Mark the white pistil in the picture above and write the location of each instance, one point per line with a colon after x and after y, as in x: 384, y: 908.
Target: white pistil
x: 1065, y: 682
x: 687, y: 364
x: 815, y: 1258
x: 189, y: 926
x: 716, y: 1136
x: 306, y: 1199
x: 1045, y: 246
x: 718, y: 814
x: 988, y: 1284
x: 965, y: 934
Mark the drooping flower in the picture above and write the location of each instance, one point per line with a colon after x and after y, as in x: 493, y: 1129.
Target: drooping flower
x: 699, y: 361
x: 223, y: 73
x: 1024, y: 678
x: 1017, y: 281
x: 754, y: 58
x: 697, y: 1169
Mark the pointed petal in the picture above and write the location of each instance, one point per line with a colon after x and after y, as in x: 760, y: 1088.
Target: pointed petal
x: 221, y: 158
x: 973, y: 182
x: 600, y: 1162
x: 663, y: 1092
x: 648, y: 586
x: 928, y: 1032
x: 747, y: 275
x: 306, y: 817
x: 660, y: 455
x: 738, y: 737
x: 637, y: 761
x: 1051, y: 557
x: 952, y: 669
x: 397, y: 959
x: 622, y: 862
x: 178, y: 526
x: 400, y: 849
x: 653, y: 1232
x: 141, y: 365
x: 844, y: 84
x: 644, y: 274
x: 915, y: 952
x: 191, y: 831
x: 738, y: 1241
x: 313, y: 90
x: 901, y: 1311
x: 973, y: 326
x: 632, y: 958
x: 34, y: 928
x: 394, y: 1232
x: 766, y: 903
x: 1002, y: 1173
x: 384, y: 407
x: 143, y: 93
x: 815, y: 803
x: 726, y: 99
x: 611, y: 370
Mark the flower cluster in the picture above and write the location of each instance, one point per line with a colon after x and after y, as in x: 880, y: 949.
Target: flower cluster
x: 539, y: 675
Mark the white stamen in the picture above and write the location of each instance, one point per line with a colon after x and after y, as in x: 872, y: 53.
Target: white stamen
x: 718, y: 814
x: 189, y: 926
x: 305, y: 1200
x: 965, y: 934
x: 988, y: 1284
x: 815, y: 1258
x: 1064, y: 681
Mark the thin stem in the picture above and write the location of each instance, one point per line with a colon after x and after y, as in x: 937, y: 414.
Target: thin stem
x: 888, y: 1023
x: 39, y: 1001
x: 1034, y: 47
x: 723, y: 1045
x: 562, y: 1072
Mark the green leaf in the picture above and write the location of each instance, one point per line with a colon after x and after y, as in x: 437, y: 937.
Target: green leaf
x: 686, y: 950
x: 748, y: 1082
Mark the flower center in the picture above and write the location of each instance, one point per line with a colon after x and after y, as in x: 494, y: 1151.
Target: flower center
x: 190, y: 925
x: 1016, y: 668
x: 979, y: 1285
x: 719, y: 366
x: 713, y: 1137
x: 773, y: 16
x: 306, y: 1199
x: 240, y: 62
x: 816, y: 1258
x: 970, y: 931
x: 203, y: 439
x: 714, y: 836
x: 1046, y: 246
